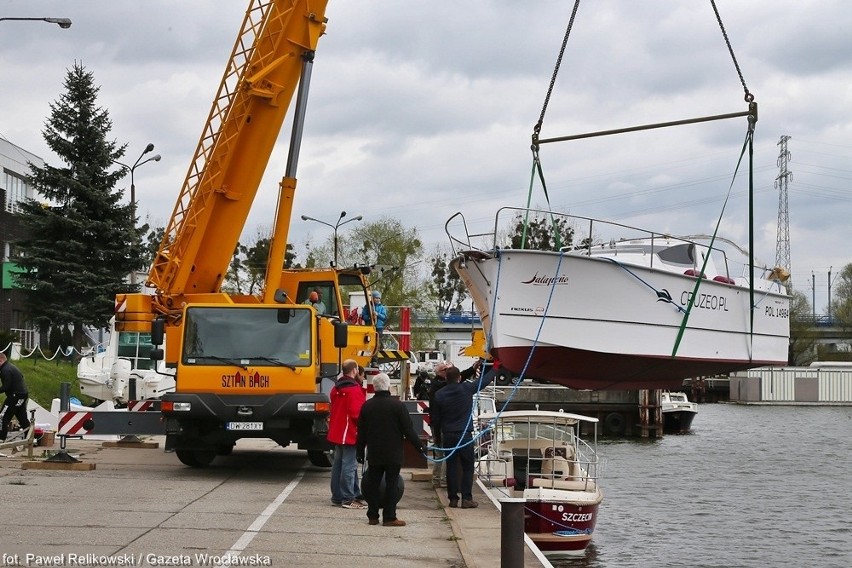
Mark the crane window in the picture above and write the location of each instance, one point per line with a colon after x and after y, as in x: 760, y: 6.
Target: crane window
x: 243, y: 336
x: 326, y: 293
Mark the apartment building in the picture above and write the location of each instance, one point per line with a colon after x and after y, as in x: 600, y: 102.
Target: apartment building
x: 14, y: 189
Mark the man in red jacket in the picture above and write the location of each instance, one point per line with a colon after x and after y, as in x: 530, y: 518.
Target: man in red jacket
x: 347, y: 398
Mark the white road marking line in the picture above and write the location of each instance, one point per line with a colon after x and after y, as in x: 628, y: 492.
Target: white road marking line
x: 261, y: 519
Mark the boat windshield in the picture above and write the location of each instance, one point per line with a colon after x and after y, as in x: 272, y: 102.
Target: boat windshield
x: 241, y: 336
x: 535, y: 431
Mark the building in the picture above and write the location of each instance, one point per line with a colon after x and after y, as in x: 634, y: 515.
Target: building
x: 14, y: 189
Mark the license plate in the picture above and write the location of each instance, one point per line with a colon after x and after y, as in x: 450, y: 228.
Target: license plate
x: 244, y: 426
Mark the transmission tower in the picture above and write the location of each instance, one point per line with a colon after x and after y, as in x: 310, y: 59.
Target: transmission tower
x: 782, y: 246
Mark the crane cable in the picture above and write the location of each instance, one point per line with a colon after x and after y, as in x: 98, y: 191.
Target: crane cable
x: 537, y: 127
x: 748, y: 145
x: 536, y: 167
x: 748, y: 96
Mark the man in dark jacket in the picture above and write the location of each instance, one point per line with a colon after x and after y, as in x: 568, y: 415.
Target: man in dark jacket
x: 439, y: 465
x: 13, y: 386
x: 383, y: 425
x: 451, y: 416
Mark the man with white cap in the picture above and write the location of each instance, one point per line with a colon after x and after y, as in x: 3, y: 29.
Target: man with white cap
x: 383, y: 426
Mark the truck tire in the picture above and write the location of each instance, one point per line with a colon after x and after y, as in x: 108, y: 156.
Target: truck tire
x: 319, y: 458
x: 196, y: 458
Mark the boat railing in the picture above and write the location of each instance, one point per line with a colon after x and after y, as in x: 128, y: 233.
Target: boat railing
x: 494, y: 472
x: 537, y: 462
x: 459, y: 242
x: 577, y: 473
x: 598, y: 233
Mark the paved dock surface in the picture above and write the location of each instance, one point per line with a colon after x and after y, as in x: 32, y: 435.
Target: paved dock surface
x: 262, y: 502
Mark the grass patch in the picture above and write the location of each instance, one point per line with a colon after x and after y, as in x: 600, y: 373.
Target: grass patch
x: 43, y: 378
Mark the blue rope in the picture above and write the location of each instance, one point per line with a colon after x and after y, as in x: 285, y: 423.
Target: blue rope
x: 663, y: 296
x: 449, y: 451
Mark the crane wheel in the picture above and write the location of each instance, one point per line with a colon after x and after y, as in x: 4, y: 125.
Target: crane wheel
x: 196, y: 458
x: 319, y: 458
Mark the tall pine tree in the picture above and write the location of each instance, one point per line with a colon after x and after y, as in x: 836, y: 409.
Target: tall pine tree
x: 82, y: 242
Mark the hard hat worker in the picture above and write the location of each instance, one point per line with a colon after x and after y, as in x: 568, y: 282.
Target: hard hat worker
x: 315, y: 300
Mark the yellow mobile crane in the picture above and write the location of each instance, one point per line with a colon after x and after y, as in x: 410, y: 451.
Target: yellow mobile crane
x: 247, y: 366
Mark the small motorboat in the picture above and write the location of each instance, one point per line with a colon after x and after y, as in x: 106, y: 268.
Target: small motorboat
x: 678, y: 412
x: 541, y: 457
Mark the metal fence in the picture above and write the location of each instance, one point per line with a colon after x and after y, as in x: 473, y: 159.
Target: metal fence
x: 29, y: 338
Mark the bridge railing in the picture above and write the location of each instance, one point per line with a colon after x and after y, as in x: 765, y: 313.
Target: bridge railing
x: 453, y: 316
x: 818, y: 321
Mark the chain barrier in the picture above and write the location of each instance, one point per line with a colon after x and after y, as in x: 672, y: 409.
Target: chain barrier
x: 63, y: 351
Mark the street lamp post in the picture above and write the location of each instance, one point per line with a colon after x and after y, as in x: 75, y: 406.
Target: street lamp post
x: 63, y: 23
x: 334, y: 227
x: 132, y: 169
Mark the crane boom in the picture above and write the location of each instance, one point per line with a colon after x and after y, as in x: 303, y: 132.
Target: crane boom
x: 235, y: 146
x: 248, y: 365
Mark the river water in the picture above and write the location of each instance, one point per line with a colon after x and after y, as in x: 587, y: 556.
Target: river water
x: 749, y: 486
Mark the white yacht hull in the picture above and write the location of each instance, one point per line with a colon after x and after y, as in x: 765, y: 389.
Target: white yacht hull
x: 588, y: 322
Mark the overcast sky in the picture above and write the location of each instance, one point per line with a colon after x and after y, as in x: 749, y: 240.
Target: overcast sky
x: 419, y: 110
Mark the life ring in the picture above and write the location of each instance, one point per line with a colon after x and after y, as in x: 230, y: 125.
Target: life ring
x: 614, y: 423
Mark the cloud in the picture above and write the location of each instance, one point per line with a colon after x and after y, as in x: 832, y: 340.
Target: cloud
x: 421, y: 109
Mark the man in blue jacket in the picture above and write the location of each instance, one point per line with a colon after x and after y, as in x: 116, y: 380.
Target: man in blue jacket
x: 381, y: 314
x: 451, y: 416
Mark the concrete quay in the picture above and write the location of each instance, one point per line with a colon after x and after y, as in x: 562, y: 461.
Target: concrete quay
x: 263, y: 503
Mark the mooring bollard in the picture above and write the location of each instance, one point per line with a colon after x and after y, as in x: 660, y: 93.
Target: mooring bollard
x: 62, y: 456
x: 129, y: 439
x: 512, y: 533
x: 64, y: 397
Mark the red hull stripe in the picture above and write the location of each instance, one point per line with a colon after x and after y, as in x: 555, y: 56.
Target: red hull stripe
x: 608, y: 371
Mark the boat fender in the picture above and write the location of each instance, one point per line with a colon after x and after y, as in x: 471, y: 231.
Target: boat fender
x: 504, y: 377
x: 614, y: 423
x: 400, y: 489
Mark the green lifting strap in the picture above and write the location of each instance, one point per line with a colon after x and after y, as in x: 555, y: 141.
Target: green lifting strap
x: 536, y: 169
x: 748, y: 143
